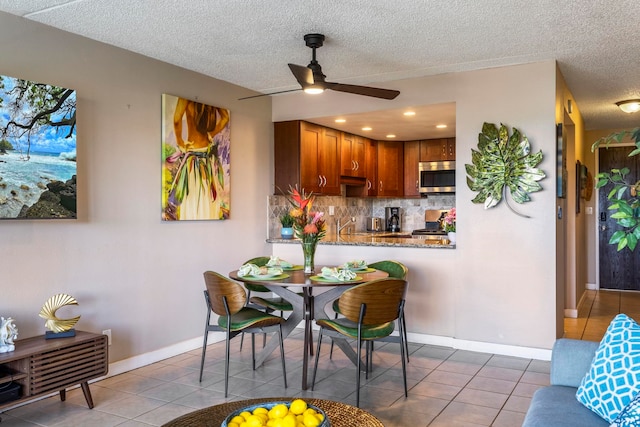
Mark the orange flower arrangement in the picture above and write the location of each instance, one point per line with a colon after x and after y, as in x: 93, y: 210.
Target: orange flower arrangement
x: 308, y: 226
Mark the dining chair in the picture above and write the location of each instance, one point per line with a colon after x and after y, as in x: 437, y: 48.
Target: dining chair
x: 396, y: 270
x: 227, y: 299
x: 370, y: 311
x: 268, y: 304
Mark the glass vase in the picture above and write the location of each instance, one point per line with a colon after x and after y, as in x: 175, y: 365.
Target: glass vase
x: 309, y: 251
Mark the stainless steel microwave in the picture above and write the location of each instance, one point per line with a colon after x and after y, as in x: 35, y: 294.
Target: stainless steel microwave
x: 437, y: 177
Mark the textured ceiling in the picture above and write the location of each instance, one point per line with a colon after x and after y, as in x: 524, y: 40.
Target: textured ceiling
x: 372, y: 42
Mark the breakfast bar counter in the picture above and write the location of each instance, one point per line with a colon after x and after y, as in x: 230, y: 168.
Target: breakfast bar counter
x: 403, y: 240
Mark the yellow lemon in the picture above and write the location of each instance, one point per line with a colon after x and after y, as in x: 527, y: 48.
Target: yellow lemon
x: 260, y: 410
x: 311, y: 420
x: 289, y: 420
x: 232, y: 424
x: 254, y: 421
x: 320, y: 416
x: 237, y: 419
x: 298, y: 406
x: 279, y: 411
x: 245, y: 414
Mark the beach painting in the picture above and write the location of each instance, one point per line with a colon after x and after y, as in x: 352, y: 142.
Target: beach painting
x: 37, y: 150
x: 195, y: 160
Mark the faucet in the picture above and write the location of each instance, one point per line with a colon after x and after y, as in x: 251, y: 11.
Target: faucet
x: 339, y: 228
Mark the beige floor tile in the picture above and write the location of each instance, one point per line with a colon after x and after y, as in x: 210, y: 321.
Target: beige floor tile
x: 467, y: 413
x: 517, y: 404
x: 492, y: 384
x: 508, y: 419
x: 481, y: 398
x: 500, y: 373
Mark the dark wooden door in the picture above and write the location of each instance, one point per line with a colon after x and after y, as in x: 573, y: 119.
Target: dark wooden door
x: 618, y: 270
x: 411, y: 159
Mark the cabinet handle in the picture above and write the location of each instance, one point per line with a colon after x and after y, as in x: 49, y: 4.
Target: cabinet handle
x: 319, y: 180
x: 324, y: 178
x: 357, y: 164
x: 380, y: 190
x: 417, y: 185
x: 368, y: 185
x: 353, y: 165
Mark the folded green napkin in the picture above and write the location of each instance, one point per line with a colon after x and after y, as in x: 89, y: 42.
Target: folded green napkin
x: 340, y: 274
x: 275, y: 261
x: 254, y: 270
x: 357, y: 264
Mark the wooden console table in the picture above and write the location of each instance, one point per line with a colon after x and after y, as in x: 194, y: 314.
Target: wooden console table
x: 44, y: 366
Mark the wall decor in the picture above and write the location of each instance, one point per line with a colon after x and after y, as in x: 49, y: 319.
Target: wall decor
x: 195, y: 160
x: 502, y: 162
x: 561, y: 164
x: 60, y: 327
x: 578, y: 185
x: 8, y: 334
x: 37, y: 150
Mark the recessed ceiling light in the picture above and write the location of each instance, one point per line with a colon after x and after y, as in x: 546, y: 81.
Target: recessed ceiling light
x: 366, y: 128
x: 441, y: 126
x: 409, y: 113
x: 341, y: 120
x: 391, y: 135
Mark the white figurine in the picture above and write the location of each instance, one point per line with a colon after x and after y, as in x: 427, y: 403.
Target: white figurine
x: 8, y: 333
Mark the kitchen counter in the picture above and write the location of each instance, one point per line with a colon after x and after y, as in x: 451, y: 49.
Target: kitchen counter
x: 377, y: 239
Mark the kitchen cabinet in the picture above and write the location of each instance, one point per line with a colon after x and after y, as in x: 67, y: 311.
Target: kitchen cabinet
x: 432, y: 150
x: 371, y: 169
x: 390, y: 169
x: 352, y: 161
x: 308, y: 155
x: 411, y: 176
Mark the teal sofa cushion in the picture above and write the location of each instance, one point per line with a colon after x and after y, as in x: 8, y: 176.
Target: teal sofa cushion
x: 613, y: 379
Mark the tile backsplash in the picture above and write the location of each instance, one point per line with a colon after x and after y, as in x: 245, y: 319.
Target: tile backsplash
x: 346, y: 207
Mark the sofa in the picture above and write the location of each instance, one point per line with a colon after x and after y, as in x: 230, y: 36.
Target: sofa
x: 556, y: 404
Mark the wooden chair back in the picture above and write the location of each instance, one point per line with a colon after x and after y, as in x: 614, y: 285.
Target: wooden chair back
x: 382, y: 298
x: 219, y: 287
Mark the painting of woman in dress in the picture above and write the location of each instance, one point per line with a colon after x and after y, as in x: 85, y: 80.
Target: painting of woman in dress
x: 195, y: 175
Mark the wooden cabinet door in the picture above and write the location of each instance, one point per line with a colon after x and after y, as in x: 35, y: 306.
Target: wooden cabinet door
x: 311, y: 140
x: 451, y: 149
x: 352, y: 159
x: 371, y: 167
x: 329, y: 161
x: 411, y: 159
x: 433, y: 150
x: 357, y: 154
x: 390, y: 169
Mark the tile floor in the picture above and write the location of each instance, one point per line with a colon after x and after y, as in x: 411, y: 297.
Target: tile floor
x: 447, y: 387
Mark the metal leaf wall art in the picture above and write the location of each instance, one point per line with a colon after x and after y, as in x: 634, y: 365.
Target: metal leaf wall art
x: 49, y: 309
x: 502, y: 162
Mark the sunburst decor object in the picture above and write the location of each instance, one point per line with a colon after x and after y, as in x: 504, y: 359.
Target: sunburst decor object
x: 502, y: 162
x: 49, y: 309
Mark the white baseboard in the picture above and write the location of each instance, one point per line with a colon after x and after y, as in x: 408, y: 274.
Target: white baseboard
x: 591, y: 286
x: 571, y: 313
x: 141, y: 360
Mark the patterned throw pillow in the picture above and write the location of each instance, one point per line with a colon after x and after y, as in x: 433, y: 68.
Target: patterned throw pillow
x: 630, y: 416
x: 614, y: 377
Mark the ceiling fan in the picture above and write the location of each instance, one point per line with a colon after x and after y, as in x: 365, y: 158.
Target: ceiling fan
x: 313, y: 80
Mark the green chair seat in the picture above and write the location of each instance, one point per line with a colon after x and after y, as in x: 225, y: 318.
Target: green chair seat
x: 350, y: 329
x: 275, y: 304
x: 249, y: 318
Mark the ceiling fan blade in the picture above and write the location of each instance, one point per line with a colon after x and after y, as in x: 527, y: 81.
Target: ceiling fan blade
x: 269, y: 94
x: 363, y: 90
x: 303, y: 75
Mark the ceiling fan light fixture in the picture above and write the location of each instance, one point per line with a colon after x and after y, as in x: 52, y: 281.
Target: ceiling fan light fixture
x: 313, y: 90
x: 629, y: 105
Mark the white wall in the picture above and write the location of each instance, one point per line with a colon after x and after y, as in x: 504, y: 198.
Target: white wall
x: 130, y: 272
x: 499, y: 285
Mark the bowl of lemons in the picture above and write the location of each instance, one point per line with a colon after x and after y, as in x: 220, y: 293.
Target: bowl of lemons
x: 296, y: 413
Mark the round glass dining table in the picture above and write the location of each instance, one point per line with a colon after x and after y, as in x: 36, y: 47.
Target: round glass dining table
x: 307, y: 306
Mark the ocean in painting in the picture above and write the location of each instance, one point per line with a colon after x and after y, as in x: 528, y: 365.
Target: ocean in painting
x: 23, y: 181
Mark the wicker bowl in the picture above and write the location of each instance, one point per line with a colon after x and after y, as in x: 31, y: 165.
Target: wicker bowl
x: 268, y: 406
